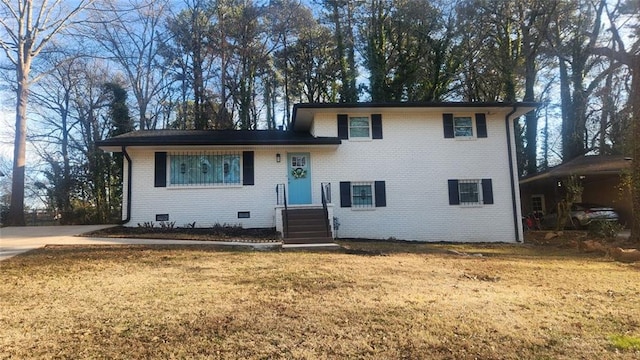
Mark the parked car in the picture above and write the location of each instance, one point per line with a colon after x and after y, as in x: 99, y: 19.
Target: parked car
x: 582, y: 214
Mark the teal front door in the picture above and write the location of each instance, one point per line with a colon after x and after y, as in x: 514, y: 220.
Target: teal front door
x: 299, y: 169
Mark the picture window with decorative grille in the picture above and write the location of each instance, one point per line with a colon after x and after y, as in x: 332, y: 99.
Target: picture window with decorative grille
x: 204, y: 168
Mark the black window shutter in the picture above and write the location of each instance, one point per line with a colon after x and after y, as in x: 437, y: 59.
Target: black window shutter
x: 160, y: 177
x: 343, y: 126
x: 487, y: 191
x: 247, y: 168
x: 481, y: 125
x: 376, y: 126
x: 454, y: 195
x: 447, y: 122
x: 345, y: 194
x: 381, y: 194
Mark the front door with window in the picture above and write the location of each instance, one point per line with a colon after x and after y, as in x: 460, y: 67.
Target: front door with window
x: 299, y: 170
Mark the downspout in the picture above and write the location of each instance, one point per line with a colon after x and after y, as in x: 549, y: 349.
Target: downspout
x: 511, y: 177
x: 129, y: 166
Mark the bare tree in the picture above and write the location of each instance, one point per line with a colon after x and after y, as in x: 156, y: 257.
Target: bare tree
x: 26, y: 28
x: 52, y: 96
x: 574, y: 34
x: 630, y: 57
x: 189, y: 56
x: 132, y: 39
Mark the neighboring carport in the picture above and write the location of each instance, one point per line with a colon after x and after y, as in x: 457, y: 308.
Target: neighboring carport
x: 602, y: 179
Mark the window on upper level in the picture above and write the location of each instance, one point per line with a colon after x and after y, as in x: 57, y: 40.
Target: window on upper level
x: 462, y: 126
x: 359, y: 127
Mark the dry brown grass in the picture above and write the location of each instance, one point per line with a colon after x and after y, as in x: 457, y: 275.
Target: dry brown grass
x: 416, y: 301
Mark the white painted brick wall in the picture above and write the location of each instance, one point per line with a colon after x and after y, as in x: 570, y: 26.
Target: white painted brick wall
x: 415, y: 161
x: 413, y: 158
x: 207, y: 205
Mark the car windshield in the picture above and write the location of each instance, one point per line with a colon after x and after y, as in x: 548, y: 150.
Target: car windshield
x: 584, y: 206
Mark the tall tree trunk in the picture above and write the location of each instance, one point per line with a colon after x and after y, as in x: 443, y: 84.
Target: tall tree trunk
x: 66, y: 168
x: 578, y: 138
x: 345, y: 51
x: 352, y: 91
x: 565, y: 105
x: 608, y: 111
x: 531, y: 119
x: 375, y: 53
x: 200, y: 122
x: 635, y: 165
x: 16, y: 209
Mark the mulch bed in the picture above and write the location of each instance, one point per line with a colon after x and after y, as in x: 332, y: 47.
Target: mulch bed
x: 219, y: 233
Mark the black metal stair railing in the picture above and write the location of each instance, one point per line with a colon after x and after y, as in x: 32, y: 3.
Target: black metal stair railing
x: 325, y: 190
x: 281, y: 199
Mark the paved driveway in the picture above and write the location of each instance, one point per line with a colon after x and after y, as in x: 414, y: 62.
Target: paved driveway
x: 17, y: 240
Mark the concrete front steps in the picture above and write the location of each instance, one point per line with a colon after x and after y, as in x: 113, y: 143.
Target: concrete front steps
x: 307, y: 226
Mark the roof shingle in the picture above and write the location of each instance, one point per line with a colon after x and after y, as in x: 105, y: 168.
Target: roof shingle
x: 216, y: 137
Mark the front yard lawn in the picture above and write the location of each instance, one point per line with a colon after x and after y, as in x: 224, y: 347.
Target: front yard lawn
x: 372, y: 301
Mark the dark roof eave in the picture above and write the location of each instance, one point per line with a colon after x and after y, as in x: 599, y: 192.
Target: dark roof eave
x: 192, y: 142
x: 412, y: 105
x: 559, y: 175
x: 591, y: 165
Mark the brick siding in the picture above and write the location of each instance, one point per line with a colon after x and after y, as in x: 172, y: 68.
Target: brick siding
x: 413, y: 158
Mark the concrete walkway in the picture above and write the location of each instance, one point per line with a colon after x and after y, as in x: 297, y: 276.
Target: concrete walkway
x: 18, y: 240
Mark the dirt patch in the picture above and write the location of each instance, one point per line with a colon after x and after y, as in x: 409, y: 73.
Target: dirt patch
x: 619, y: 249
x: 562, y: 239
x: 569, y: 238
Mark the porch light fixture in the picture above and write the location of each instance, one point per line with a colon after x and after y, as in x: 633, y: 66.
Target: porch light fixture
x: 278, y: 158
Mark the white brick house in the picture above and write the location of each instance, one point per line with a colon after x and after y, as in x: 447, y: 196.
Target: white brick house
x: 410, y: 171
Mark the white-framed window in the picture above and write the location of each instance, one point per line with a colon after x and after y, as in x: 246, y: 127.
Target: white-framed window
x: 470, y: 192
x: 463, y: 126
x: 362, y: 195
x: 359, y: 127
x: 204, y: 168
x: 537, y: 204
